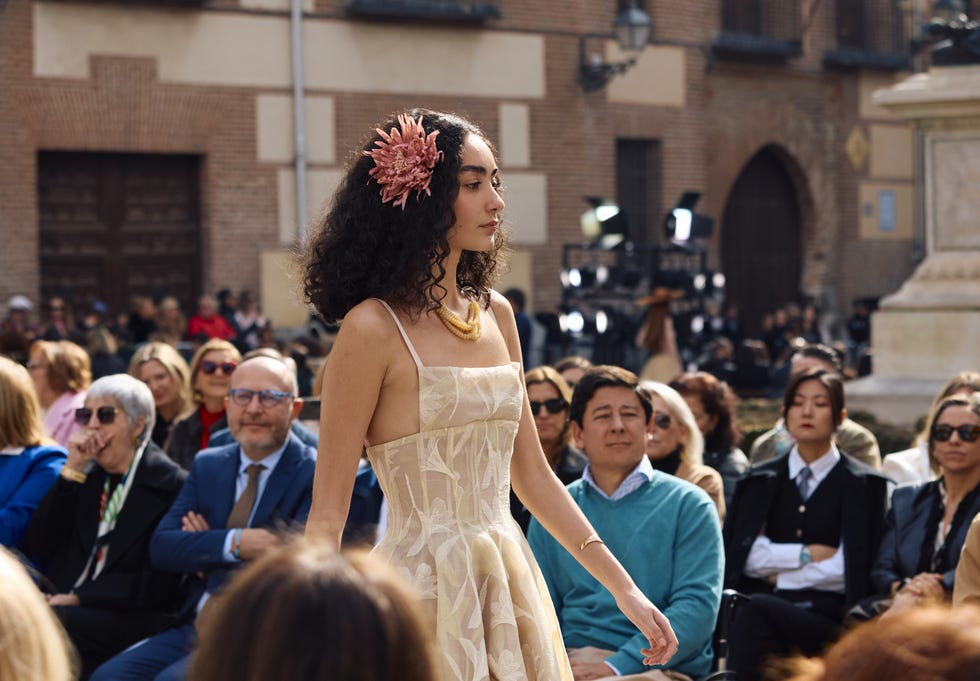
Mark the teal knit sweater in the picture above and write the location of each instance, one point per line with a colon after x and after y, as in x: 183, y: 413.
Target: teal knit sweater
x: 666, y: 535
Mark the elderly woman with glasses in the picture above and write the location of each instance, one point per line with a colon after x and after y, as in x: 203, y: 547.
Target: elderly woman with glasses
x: 61, y: 371
x: 211, y: 369
x: 928, y: 523
x: 675, y: 444
x: 29, y: 459
x: 550, y: 396
x: 90, y: 535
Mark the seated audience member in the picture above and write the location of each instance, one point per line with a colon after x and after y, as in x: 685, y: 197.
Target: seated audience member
x: 91, y: 533
x: 550, y: 397
x: 315, y: 615
x: 927, y: 523
x: 675, y: 444
x: 914, y: 465
x: 102, y: 349
x: 16, y: 330
x: 663, y: 530
x: 57, y: 322
x: 714, y: 407
x: 572, y: 368
x: 925, y: 644
x: 966, y: 589
x: 518, y: 302
x: 236, y: 501
x: 166, y: 373
x: 170, y: 322
x: 62, y: 372
x: 721, y: 361
x: 208, y: 323
x: 852, y: 438
x: 211, y: 370
x: 29, y: 459
x: 33, y: 646
x: 142, y: 319
x: 802, y: 533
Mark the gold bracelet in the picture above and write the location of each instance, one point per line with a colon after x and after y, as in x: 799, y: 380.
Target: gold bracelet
x: 73, y: 475
x: 591, y: 539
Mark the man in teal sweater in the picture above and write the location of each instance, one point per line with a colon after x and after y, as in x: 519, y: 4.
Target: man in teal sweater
x: 662, y: 529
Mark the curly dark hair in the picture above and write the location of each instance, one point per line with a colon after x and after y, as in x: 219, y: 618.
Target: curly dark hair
x: 363, y: 248
x: 718, y: 400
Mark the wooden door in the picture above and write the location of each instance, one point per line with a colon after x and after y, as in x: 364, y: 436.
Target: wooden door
x: 760, y: 239
x: 117, y: 225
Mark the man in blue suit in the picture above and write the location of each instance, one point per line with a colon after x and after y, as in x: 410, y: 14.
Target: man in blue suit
x: 237, y: 503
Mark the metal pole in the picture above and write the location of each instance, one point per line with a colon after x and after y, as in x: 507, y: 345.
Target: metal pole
x: 299, y: 119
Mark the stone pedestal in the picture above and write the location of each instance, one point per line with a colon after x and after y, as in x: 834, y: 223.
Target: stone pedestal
x: 929, y: 329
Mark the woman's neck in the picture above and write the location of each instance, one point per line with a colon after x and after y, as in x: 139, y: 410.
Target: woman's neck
x: 213, y: 404
x: 168, y: 411
x: 811, y: 451
x: 958, y: 485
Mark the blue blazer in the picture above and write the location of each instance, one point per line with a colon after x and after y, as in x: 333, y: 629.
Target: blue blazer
x: 210, y: 491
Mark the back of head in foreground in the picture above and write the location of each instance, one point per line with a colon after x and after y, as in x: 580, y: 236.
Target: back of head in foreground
x: 33, y: 646
x: 374, y: 245
x: 307, y: 612
x: 923, y: 644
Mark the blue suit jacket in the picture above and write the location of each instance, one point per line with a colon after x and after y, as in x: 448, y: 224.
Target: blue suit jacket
x: 210, y: 491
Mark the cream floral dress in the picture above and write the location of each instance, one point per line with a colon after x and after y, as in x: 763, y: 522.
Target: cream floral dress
x: 450, y: 531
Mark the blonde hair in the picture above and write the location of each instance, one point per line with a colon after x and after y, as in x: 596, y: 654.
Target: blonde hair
x: 169, y: 359
x: 69, y: 366
x: 692, y: 450
x: 213, y: 345
x: 21, y: 424
x: 33, y: 646
x: 549, y: 376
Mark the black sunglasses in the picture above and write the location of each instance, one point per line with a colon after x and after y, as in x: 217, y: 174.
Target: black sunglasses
x: 554, y: 405
x: 106, y: 415
x: 227, y: 368
x: 967, y: 432
x: 662, y: 421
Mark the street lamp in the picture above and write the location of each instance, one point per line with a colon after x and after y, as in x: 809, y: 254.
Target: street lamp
x: 632, y: 30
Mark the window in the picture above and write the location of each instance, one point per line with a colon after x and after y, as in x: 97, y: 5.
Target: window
x: 759, y: 29
x: 431, y: 10
x: 870, y: 34
x: 638, y: 187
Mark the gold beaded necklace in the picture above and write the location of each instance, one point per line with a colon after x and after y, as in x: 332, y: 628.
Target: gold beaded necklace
x: 468, y: 330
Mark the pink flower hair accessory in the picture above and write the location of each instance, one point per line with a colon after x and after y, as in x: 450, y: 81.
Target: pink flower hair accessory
x: 404, y: 160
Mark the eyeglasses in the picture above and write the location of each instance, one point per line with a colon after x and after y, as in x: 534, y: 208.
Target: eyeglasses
x: 227, y: 368
x: 554, y: 405
x: 967, y: 432
x: 106, y: 415
x: 662, y: 421
x: 267, y: 398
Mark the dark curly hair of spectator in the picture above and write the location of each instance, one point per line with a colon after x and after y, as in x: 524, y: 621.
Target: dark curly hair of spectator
x: 718, y: 400
x: 364, y: 248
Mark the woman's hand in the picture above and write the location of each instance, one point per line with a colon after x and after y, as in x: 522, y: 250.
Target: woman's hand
x: 84, y: 446
x: 652, y: 623
x: 63, y: 599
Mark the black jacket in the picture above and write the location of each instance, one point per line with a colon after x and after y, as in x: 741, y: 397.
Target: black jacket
x: 910, y: 532
x: 862, y: 527
x: 63, y: 530
x: 185, y: 438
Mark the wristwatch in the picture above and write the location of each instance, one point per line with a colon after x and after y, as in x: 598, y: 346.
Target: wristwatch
x: 805, y: 555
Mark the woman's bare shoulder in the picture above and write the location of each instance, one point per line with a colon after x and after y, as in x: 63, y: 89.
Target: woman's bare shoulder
x: 500, y: 305
x: 368, y: 321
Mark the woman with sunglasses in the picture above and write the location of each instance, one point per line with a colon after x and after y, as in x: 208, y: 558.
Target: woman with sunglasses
x: 29, y: 459
x: 91, y: 533
x: 211, y: 369
x: 928, y: 523
x: 675, y: 444
x: 167, y: 375
x: 549, y: 397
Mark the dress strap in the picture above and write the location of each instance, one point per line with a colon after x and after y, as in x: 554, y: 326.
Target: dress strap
x: 401, y: 330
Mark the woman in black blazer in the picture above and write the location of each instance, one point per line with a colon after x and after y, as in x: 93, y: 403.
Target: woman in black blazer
x: 90, y: 535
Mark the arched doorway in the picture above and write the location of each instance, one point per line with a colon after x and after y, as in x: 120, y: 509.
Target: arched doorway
x: 760, y: 238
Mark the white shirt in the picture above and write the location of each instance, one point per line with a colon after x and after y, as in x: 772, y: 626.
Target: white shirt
x: 641, y: 475
x: 768, y: 558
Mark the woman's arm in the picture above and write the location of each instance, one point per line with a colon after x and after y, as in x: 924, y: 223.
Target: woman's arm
x: 355, y: 371
x: 549, y: 502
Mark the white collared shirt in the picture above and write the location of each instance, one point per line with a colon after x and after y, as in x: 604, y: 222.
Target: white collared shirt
x: 639, y: 476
